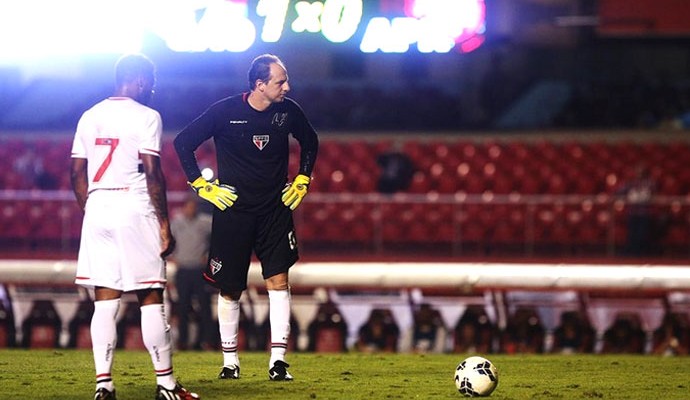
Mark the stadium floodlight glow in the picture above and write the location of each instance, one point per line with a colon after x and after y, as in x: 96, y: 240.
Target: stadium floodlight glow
x: 274, y: 13
x: 436, y: 37
x: 340, y: 19
x: 390, y: 36
x: 225, y: 26
x: 435, y: 25
x: 308, y: 17
x: 38, y: 28
x: 45, y: 28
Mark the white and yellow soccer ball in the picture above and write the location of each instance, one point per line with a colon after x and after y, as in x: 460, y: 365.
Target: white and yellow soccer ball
x: 476, y: 377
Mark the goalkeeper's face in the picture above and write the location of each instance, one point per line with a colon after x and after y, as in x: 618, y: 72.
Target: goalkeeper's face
x: 277, y: 86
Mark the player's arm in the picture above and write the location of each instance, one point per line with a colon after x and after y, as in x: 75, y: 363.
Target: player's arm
x: 155, y: 183
x: 80, y: 180
x: 186, y: 142
x: 190, y: 138
x: 308, y: 140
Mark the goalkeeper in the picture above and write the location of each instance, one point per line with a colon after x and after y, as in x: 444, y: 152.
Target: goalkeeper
x: 253, y: 200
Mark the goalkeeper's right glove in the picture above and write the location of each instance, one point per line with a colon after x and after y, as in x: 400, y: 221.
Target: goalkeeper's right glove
x: 220, y: 195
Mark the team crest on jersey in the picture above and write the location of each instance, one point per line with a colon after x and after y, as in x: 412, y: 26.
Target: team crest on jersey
x: 260, y: 141
x: 215, y: 265
x: 279, y: 119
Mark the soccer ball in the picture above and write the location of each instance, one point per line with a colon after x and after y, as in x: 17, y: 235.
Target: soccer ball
x: 476, y: 376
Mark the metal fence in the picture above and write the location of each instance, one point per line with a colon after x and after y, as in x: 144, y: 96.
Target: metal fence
x: 420, y: 225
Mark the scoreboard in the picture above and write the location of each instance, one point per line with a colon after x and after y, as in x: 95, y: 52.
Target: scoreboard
x: 40, y: 28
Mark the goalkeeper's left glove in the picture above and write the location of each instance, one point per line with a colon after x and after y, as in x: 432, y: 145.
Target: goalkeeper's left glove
x: 295, y: 192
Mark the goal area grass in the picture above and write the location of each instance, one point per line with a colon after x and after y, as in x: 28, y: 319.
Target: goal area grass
x: 69, y: 374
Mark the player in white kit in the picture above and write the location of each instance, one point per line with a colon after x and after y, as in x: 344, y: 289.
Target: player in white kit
x: 118, y: 181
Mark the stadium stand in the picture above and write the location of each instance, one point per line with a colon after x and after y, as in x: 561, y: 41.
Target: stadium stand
x: 516, y: 197
x: 522, y: 196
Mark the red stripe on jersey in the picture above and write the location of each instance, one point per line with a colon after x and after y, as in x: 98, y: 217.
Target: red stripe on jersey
x: 156, y: 152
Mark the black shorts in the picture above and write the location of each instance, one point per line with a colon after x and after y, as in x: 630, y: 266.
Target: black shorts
x: 236, y: 234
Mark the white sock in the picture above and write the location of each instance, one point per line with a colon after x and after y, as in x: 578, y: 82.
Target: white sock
x: 229, y: 325
x: 156, y: 334
x: 104, y: 340
x: 279, y: 317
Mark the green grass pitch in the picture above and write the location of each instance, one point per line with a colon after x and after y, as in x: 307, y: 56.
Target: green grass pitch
x: 68, y: 374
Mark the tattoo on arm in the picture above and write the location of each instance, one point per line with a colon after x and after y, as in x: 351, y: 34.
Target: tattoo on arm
x: 79, y: 180
x: 155, y: 182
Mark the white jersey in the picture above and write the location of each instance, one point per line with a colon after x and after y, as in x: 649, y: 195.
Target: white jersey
x: 111, y: 135
x: 120, y: 238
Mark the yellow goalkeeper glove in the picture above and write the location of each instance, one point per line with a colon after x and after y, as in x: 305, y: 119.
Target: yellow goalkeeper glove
x: 220, y: 195
x: 295, y: 192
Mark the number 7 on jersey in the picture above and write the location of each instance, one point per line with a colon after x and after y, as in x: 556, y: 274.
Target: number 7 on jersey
x: 112, y: 143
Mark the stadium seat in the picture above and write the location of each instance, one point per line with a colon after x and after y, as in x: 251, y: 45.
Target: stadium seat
x: 524, y: 332
x: 549, y: 305
x: 80, y: 326
x: 328, y: 331
x: 638, y: 310
x: 8, y: 334
x: 445, y: 166
x: 41, y: 329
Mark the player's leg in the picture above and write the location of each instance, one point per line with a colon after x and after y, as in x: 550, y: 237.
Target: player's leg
x: 156, y: 334
x: 143, y: 272
x: 229, y: 324
x: 276, y: 248
x: 98, y: 268
x: 279, y: 317
x: 232, y: 240
x: 104, y: 339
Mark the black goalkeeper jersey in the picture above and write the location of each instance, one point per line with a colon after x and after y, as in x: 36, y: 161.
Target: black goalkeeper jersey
x: 252, y: 147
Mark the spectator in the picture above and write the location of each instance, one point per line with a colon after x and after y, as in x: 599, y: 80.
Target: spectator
x: 29, y: 166
x: 672, y: 337
x: 642, y: 228
x: 396, y: 171
x: 328, y: 331
x: 193, y: 232
x: 573, y: 335
x: 524, y: 333
x: 624, y: 336
x: 379, y: 334
x: 474, y: 332
x: 428, y: 324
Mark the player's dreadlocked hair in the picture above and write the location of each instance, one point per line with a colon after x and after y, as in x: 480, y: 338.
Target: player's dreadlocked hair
x: 132, y: 66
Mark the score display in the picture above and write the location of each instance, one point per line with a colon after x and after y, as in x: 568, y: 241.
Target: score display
x: 40, y: 28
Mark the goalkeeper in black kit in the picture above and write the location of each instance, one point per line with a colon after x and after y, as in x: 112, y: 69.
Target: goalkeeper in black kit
x: 253, y: 200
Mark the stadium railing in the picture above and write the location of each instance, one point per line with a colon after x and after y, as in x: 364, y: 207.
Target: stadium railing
x: 48, y: 223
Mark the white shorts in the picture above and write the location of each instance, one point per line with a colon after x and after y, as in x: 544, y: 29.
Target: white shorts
x: 120, y: 243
